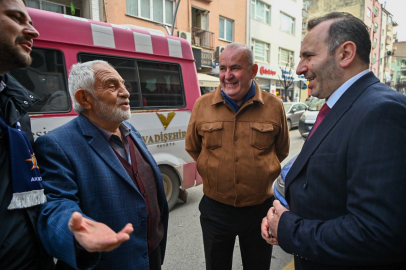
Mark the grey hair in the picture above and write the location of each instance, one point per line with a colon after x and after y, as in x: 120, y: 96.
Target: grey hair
x: 248, y: 51
x: 81, y: 76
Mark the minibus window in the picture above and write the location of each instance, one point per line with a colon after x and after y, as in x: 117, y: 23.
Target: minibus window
x: 46, y: 77
x: 151, y: 84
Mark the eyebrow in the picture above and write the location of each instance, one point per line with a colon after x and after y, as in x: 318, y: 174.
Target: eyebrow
x: 232, y: 66
x: 306, y: 53
x: 22, y: 14
x: 114, y: 80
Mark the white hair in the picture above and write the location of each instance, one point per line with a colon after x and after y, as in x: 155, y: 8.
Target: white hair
x: 245, y: 48
x: 81, y: 76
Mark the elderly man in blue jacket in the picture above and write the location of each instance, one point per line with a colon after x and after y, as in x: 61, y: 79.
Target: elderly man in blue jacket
x: 106, y: 204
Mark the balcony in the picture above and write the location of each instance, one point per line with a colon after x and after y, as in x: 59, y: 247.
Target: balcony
x: 202, y: 38
x: 373, y: 44
x: 376, y: 11
x: 305, y: 14
x: 375, y: 28
x: 389, y: 28
x: 388, y: 40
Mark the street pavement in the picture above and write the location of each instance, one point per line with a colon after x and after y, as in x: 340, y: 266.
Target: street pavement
x: 184, y: 249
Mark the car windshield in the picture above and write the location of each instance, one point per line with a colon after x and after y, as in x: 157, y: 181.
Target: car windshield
x: 316, y: 104
x: 287, y: 106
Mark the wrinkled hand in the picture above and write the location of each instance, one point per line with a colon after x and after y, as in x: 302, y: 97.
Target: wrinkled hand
x: 271, y: 221
x: 95, y: 236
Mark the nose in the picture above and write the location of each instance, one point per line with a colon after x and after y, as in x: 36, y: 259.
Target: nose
x: 30, y: 31
x: 124, y: 92
x: 228, y: 74
x: 301, y: 68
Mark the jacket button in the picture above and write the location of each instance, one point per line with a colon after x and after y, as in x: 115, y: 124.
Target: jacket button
x: 236, y: 159
x: 235, y: 138
x: 236, y: 181
x: 305, y: 185
x: 145, y: 254
x: 143, y: 222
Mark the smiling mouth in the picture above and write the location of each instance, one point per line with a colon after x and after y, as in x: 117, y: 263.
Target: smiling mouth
x: 230, y: 84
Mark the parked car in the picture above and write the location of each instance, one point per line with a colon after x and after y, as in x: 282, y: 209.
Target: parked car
x: 308, y: 118
x: 294, y: 111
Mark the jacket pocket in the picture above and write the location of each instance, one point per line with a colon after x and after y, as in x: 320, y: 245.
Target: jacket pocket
x: 262, y: 135
x: 212, y: 134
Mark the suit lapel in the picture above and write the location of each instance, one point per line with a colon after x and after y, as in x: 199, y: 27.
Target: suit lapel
x: 336, y: 113
x: 102, y: 148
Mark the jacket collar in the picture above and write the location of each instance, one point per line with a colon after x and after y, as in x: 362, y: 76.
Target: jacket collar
x: 100, y: 145
x: 21, y: 100
x: 218, y: 97
x: 336, y: 113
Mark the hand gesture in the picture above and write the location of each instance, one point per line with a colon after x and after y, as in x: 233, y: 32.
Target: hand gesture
x: 95, y: 236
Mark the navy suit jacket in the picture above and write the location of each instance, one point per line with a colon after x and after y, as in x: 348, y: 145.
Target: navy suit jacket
x: 82, y: 173
x: 347, y: 188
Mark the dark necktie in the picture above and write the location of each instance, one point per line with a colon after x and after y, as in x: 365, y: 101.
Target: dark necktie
x: 322, y: 113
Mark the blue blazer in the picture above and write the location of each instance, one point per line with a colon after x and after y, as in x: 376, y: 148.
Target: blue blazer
x: 347, y: 188
x: 82, y: 173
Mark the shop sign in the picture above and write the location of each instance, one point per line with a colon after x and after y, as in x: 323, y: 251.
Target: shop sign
x: 207, y: 59
x: 266, y: 71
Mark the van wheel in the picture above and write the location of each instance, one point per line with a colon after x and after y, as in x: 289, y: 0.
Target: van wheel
x: 171, y: 185
x: 289, y: 125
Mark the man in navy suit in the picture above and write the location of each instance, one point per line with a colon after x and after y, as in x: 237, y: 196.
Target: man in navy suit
x: 346, y: 189
x: 100, y: 178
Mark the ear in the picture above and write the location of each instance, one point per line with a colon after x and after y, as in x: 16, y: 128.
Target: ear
x: 346, y: 54
x: 254, y: 71
x: 84, y: 98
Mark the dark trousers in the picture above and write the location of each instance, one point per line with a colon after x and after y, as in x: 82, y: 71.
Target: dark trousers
x: 221, y: 224
x: 155, y: 259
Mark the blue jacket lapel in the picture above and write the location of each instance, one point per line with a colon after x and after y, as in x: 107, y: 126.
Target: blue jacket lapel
x: 102, y: 148
x: 335, y: 114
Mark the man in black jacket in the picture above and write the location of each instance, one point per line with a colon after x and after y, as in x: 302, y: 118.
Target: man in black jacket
x: 21, y: 192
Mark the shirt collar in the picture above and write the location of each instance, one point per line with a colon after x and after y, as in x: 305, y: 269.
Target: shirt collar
x: 232, y: 103
x: 332, y: 100
x: 124, y: 129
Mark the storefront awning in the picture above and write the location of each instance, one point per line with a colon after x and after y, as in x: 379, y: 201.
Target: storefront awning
x: 207, y: 80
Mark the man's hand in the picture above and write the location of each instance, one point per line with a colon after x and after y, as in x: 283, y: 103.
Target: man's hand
x: 95, y: 236
x: 270, y: 223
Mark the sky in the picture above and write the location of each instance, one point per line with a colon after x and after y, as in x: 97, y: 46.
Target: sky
x: 397, y: 8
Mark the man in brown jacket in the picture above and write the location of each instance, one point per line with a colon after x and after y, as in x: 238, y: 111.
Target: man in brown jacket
x: 238, y: 136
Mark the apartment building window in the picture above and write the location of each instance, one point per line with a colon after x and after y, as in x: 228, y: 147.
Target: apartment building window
x: 155, y: 10
x: 54, y: 7
x: 287, y: 23
x: 261, y: 11
x: 261, y: 51
x: 369, y: 12
x: 226, y: 29
x: 285, y: 58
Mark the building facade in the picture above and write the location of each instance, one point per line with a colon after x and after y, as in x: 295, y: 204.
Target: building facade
x: 274, y: 31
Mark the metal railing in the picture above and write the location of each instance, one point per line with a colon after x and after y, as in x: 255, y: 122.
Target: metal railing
x: 376, y: 12
x: 202, y: 38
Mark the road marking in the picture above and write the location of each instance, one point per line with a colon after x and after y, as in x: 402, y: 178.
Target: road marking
x: 289, y: 266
